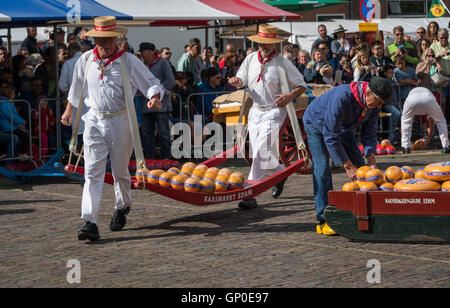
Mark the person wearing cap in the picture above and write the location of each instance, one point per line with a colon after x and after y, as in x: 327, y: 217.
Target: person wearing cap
x: 259, y: 72
x: 329, y: 121
x: 107, y: 127
x: 421, y: 101
x: 151, y: 118
x: 340, y: 43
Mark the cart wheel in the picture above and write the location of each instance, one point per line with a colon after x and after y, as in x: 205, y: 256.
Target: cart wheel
x: 288, y: 147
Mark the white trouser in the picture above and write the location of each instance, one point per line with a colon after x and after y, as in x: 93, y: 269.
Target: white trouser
x: 421, y: 101
x: 103, y: 136
x: 264, y: 128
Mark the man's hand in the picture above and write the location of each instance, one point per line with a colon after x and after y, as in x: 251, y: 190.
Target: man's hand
x: 371, y: 161
x: 235, y: 82
x: 66, y: 118
x: 283, y: 100
x: 154, y: 103
x: 350, y: 169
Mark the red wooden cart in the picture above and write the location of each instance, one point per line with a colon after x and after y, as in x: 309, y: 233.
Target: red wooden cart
x: 250, y: 189
x: 390, y: 216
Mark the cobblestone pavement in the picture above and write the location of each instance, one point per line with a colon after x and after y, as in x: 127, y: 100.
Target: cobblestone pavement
x: 173, y: 244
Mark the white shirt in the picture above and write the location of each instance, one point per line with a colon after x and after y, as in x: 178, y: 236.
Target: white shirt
x: 264, y: 92
x: 107, y: 95
x: 67, y: 72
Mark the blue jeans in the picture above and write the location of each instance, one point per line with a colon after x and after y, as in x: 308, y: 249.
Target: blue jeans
x: 151, y: 121
x: 322, y: 179
x: 11, y: 145
x: 393, y: 120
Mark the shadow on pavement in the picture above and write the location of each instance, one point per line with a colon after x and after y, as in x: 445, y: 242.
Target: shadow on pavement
x: 226, y: 221
x: 18, y: 211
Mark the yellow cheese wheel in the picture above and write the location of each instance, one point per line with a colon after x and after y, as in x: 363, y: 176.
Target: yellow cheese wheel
x: 188, y: 165
x: 387, y: 187
x: 210, y: 175
x: 446, y: 186
x: 201, y: 167
x: 393, y: 174
x: 165, y: 179
x: 350, y: 186
x: 235, y: 182
x: 237, y: 174
x: 192, y: 184
x: 361, y: 173
x: 198, y: 173
x: 141, y: 174
x: 178, y: 182
x: 221, y: 183
x: 206, y: 186
x: 438, y: 171
x: 367, y: 186
x: 408, y: 172
x: 213, y: 169
x: 385, y: 143
x: 417, y: 185
x: 174, y: 170
x: 420, y: 174
x: 153, y: 176
x: 374, y: 176
x: 224, y: 171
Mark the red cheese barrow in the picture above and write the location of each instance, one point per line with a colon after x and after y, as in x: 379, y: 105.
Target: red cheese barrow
x: 419, y: 217
x: 250, y: 189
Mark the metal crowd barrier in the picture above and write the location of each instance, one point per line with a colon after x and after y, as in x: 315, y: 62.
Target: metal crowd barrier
x: 57, y: 123
x: 30, y: 131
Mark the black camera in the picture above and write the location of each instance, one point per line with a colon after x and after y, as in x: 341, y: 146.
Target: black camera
x: 403, y: 50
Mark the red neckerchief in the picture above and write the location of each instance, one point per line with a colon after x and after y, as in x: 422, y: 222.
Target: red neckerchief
x: 155, y: 60
x: 264, y: 62
x: 359, y: 92
x: 102, y: 63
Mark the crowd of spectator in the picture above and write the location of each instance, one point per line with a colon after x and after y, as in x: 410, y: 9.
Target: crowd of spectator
x: 407, y: 62
x: 202, y: 74
x: 191, y: 85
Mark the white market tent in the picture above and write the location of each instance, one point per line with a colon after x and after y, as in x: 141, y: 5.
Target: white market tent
x: 304, y: 33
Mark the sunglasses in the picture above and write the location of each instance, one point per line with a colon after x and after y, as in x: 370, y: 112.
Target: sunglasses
x: 167, y: 53
x: 398, y: 34
x: 420, y: 32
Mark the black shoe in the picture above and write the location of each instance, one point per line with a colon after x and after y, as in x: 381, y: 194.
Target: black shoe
x: 406, y: 150
x: 446, y: 150
x: 119, y: 219
x: 248, y: 204
x: 89, y: 232
x: 278, y: 189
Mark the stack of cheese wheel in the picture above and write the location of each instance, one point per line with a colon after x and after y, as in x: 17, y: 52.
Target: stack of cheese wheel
x: 221, y: 182
x: 417, y: 185
x: 153, y: 176
x: 380, y: 150
x: 418, y: 145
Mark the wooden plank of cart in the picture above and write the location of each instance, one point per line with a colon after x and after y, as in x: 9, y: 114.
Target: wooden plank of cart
x: 226, y: 112
x: 419, y: 217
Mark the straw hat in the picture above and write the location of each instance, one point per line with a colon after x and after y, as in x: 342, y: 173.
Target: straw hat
x: 339, y: 28
x: 106, y: 26
x: 266, y: 35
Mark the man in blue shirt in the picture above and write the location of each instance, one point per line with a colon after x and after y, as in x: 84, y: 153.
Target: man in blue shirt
x: 329, y: 121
